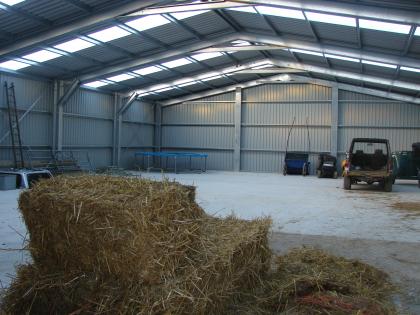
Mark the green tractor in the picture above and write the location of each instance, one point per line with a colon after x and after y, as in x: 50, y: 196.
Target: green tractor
x: 406, y: 164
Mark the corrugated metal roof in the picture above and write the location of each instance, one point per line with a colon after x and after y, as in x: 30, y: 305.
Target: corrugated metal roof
x: 207, y: 25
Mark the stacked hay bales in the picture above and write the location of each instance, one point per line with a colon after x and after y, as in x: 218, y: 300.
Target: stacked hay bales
x: 104, y: 244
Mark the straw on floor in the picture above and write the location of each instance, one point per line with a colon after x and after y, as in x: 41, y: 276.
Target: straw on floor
x: 116, y: 245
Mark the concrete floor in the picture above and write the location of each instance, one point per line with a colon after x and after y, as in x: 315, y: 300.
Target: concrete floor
x: 357, y: 224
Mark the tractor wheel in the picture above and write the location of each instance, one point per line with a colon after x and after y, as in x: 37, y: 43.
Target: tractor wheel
x: 335, y: 175
x: 388, y: 184
x: 347, y: 183
x: 318, y: 174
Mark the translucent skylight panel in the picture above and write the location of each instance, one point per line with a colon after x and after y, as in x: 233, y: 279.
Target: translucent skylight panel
x: 11, y: 2
x: 212, y: 78
x: 147, y: 70
x: 96, y: 84
x: 308, y: 52
x: 205, y: 56
x: 13, y: 65
x: 417, y: 32
x: 384, y: 26
x: 379, y: 64
x: 342, y: 58
x: 208, y: 75
x: 289, y: 13
x: 187, y: 83
x: 42, y: 55
x: 187, y: 14
x: 330, y: 18
x: 109, y: 34
x: 244, y: 9
x: 165, y: 89
x: 241, y: 43
x: 148, y: 22
x: 121, y: 77
x: 74, y: 45
x: 410, y: 69
x: 159, y: 87
x: 176, y: 63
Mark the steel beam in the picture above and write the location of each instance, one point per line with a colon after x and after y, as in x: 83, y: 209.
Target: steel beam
x: 241, y: 48
x: 345, y: 9
x: 157, y: 57
x: 358, y: 89
x: 237, y: 132
x: 348, y: 75
x: 189, y: 7
x: 127, y: 104
x: 334, y: 120
x: 347, y: 87
x: 54, y: 33
x: 269, y: 70
x: 197, y: 77
x: 65, y: 97
x: 330, y: 49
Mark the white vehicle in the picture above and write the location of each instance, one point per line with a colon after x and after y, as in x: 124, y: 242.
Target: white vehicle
x: 26, y: 177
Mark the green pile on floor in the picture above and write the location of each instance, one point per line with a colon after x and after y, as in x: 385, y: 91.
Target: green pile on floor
x: 115, y: 245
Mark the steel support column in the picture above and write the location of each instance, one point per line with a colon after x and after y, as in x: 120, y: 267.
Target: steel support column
x: 157, y: 139
x: 237, y: 139
x: 334, y: 120
x: 60, y: 111
x: 54, y: 115
x: 121, y: 110
x: 62, y: 100
x: 115, y: 130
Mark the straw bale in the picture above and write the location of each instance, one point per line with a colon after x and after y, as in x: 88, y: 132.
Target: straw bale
x: 127, y: 227
x: 233, y: 256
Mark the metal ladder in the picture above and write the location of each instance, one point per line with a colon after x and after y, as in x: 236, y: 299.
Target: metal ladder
x: 14, y: 126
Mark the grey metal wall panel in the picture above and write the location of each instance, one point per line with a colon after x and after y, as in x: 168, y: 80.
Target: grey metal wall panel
x: 363, y: 115
x: 286, y: 92
x: 201, y: 112
x: 270, y: 162
x: 137, y: 135
x: 90, y: 103
x: 275, y: 138
x: 197, y: 137
x: 27, y: 92
x: 86, y: 132
x: 140, y: 112
x: 36, y: 127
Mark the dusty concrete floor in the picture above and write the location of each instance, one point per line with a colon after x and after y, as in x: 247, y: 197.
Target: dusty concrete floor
x: 360, y: 223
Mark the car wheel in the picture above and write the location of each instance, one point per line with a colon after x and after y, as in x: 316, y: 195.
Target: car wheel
x: 388, y: 185
x: 285, y: 170
x: 347, y: 183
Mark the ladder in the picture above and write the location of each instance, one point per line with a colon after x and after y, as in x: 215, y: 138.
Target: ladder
x: 14, y: 126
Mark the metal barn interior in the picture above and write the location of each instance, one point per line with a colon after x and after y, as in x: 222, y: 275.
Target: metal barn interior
x: 221, y: 77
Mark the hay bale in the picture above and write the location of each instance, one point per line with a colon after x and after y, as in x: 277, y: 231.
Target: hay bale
x: 233, y: 255
x: 126, y: 227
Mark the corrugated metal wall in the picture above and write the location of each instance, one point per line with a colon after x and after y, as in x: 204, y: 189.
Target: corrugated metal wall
x: 207, y: 125
x: 267, y: 114
x: 88, y: 125
x: 137, y: 132
x: 87, y: 122
x: 369, y: 116
x: 36, y: 128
